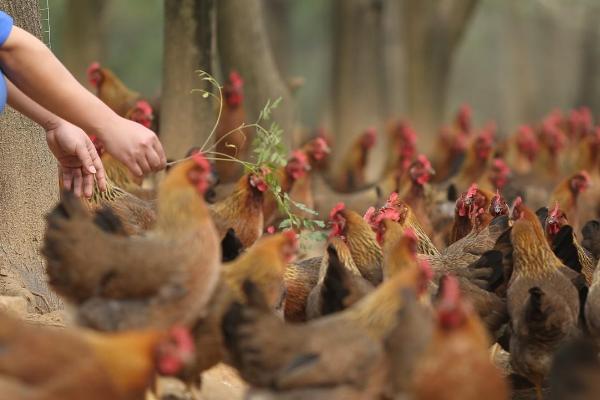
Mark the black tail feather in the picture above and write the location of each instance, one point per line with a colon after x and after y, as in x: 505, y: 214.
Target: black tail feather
x: 231, y: 246
x: 564, y: 247
x: 334, y: 289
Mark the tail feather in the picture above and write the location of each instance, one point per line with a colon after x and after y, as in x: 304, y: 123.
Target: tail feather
x: 487, y: 272
x: 564, y: 247
x: 231, y: 246
x: 335, y: 288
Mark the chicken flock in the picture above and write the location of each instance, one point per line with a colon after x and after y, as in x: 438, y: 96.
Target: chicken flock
x: 469, y: 274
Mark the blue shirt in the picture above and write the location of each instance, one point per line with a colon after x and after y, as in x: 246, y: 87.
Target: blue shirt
x: 6, y: 24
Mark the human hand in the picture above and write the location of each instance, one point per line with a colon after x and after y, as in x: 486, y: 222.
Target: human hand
x: 134, y: 145
x: 77, y: 156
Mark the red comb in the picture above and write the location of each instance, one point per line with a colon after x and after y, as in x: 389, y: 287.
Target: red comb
x: 235, y: 79
x: 144, y: 106
x: 555, y: 210
x: 369, y: 215
x: 336, y: 209
x: 300, y: 156
x: 392, y: 199
x: 290, y: 236
x: 201, y: 161
x: 584, y: 174
x: 424, y: 160
x: 93, y: 67
x: 450, y: 290
x: 472, y: 190
x: 321, y: 143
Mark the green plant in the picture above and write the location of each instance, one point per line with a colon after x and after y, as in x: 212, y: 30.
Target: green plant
x: 269, y: 151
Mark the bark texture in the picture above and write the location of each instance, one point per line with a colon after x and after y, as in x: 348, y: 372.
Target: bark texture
x: 83, y: 35
x: 244, y: 46
x: 358, y: 79
x: 28, y: 190
x: 433, y: 30
x: 186, y: 118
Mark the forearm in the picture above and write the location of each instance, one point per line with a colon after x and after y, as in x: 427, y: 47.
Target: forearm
x: 23, y: 104
x: 32, y: 67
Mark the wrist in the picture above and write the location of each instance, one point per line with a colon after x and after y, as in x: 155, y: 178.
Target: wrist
x: 103, y: 126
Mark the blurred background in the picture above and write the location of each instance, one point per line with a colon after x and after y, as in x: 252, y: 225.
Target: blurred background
x: 363, y: 62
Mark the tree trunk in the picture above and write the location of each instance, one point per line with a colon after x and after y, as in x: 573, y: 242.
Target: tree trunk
x: 433, y: 30
x: 28, y: 190
x: 186, y: 118
x: 278, y: 23
x: 358, y: 92
x: 589, y: 82
x: 244, y: 46
x: 83, y: 35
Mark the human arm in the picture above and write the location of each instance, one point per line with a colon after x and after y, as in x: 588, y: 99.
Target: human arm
x: 73, y: 149
x: 32, y: 67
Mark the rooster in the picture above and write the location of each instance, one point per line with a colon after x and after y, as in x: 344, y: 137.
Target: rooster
x: 71, y: 364
x: 242, y: 210
x: 458, y: 334
x: 111, y: 90
x: 353, y: 165
x: 230, y: 139
x: 543, y: 304
x: 120, y: 282
x: 402, y: 147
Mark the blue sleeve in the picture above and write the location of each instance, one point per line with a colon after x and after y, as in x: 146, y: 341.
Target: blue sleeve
x: 6, y: 24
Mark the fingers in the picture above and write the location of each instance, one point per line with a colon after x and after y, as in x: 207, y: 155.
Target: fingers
x: 153, y: 160
x: 88, y: 185
x: 157, y: 146
x: 143, y: 163
x: 67, y: 176
x: 100, y: 173
x: 77, y: 181
x: 84, y: 154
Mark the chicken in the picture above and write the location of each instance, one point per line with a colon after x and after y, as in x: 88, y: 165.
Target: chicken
x: 360, y: 239
x: 41, y: 363
x: 402, y: 142
x: 415, y: 195
x: 575, y: 372
x: 242, y: 211
x: 451, y: 145
x: 288, y: 357
x: 296, y: 168
x: 117, y: 282
x: 524, y: 150
x: 355, y: 233
x: 317, y: 152
x: 130, y: 214
x: 230, y: 139
x: 472, y: 210
x: 477, y: 159
x: 340, y: 282
x: 263, y: 265
x: 471, y: 259
x: 458, y: 335
x: 111, y: 90
x: 543, y: 304
x: 563, y: 242
x: 566, y: 194
x: 352, y: 171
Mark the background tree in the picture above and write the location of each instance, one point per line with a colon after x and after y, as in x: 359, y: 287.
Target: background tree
x: 243, y: 45
x: 432, y: 31
x: 186, y: 118
x: 28, y: 189
x: 357, y: 77
x: 84, y: 35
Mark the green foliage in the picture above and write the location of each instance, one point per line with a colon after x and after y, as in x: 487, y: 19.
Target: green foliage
x: 268, y: 151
